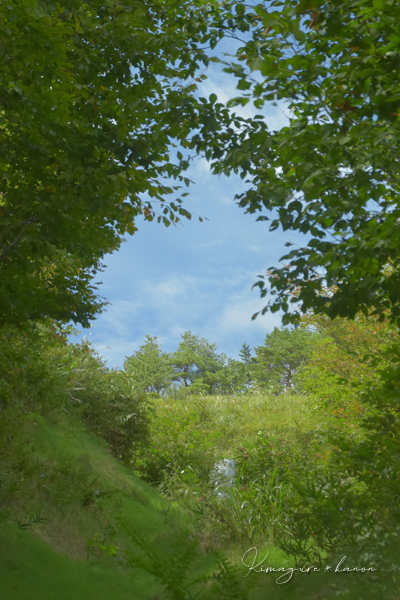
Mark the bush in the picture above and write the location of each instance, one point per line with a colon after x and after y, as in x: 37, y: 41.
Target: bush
x: 41, y: 371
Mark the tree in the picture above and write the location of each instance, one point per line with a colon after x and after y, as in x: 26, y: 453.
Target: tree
x: 245, y: 355
x: 149, y: 369
x: 232, y: 377
x: 333, y: 172
x: 243, y: 367
x: 284, y: 351
x: 40, y: 371
x: 342, y: 364
x: 197, y: 364
x: 94, y: 98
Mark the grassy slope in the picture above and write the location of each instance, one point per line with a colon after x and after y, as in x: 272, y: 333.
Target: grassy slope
x: 31, y: 570
x: 83, y: 492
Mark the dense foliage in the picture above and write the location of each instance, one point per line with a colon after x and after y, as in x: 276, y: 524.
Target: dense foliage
x: 94, y: 100
x: 344, y: 358
x: 149, y: 369
x: 94, y: 97
x: 197, y: 368
x: 333, y: 171
x: 313, y: 476
x: 41, y: 371
x: 281, y: 356
x: 317, y: 473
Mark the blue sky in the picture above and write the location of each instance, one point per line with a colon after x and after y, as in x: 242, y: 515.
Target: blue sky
x: 195, y: 276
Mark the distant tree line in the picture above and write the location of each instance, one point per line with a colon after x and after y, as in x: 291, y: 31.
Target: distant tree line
x: 197, y: 367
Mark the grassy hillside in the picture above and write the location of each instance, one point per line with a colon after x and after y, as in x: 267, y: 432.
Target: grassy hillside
x: 67, y: 502
x: 106, y: 493
x: 76, y: 523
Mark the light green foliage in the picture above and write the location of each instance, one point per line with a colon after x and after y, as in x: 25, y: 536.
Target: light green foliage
x: 353, y: 369
x: 344, y: 358
x: 58, y: 483
x: 293, y: 480
x: 28, y: 378
x: 41, y: 371
x: 181, y: 440
x: 149, y: 369
x: 88, y: 515
x: 195, y: 366
x: 235, y: 377
x: 283, y: 352
x: 110, y: 408
x: 298, y: 481
x: 187, y: 436
x: 297, y: 486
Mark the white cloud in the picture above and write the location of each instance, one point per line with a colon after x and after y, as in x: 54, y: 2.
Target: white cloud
x: 170, y: 289
x: 234, y: 318
x: 202, y: 166
x: 217, y: 305
x: 223, y: 86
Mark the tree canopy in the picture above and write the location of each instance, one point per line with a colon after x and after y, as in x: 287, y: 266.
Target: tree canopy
x: 149, y: 369
x: 97, y: 98
x: 333, y: 172
x: 342, y: 364
x: 283, y: 352
x: 94, y: 99
x: 197, y: 364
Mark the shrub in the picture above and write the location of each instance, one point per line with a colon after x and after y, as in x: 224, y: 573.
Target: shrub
x: 41, y: 371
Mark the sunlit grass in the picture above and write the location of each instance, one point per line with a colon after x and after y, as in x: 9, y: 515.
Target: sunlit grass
x: 31, y: 569
x: 83, y: 492
x: 84, y: 498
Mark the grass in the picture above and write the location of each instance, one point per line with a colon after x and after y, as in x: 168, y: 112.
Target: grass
x: 241, y: 416
x: 222, y: 425
x: 85, y: 499
x: 32, y: 570
x: 80, y: 546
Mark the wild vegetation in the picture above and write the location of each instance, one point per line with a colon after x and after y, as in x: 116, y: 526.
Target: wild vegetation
x: 303, y: 489
x: 99, y: 113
